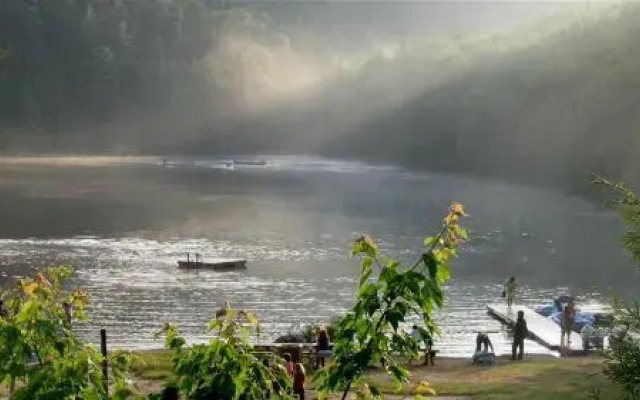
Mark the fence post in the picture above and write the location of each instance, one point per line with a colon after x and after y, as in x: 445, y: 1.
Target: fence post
x: 105, y: 364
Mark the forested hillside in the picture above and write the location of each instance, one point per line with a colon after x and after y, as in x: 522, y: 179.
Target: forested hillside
x: 135, y: 74
x: 550, y: 112
x: 544, y: 103
x: 77, y: 64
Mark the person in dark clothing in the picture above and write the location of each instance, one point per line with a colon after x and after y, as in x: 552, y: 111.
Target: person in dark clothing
x: 323, y: 348
x: 3, y: 311
x: 68, y: 315
x: 482, y: 340
x: 568, y: 316
x: 519, y: 334
x: 299, y: 377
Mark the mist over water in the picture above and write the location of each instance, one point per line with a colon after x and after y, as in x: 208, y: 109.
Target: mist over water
x: 124, y: 225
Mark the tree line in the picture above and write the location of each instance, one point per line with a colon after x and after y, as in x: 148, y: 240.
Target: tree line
x: 77, y: 65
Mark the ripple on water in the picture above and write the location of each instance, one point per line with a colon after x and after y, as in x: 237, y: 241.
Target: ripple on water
x: 132, y: 298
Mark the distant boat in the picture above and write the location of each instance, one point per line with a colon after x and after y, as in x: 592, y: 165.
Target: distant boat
x: 250, y: 162
x: 167, y: 163
x: 217, y: 265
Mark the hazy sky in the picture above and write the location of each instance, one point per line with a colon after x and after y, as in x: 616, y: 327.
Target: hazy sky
x: 347, y: 17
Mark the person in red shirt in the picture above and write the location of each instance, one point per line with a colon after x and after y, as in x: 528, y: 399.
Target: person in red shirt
x: 298, y: 380
x: 288, y: 364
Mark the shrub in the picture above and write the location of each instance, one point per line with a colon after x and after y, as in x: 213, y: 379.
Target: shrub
x: 226, y: 368
x: 368, y: 334
x: 36, y: 326
x: 623, y: 360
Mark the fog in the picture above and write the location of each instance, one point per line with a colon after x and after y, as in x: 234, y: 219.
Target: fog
x: 492, y: 88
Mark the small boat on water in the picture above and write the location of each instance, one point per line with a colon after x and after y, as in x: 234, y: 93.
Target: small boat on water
x: 250, y: 162
x: 217, y: 265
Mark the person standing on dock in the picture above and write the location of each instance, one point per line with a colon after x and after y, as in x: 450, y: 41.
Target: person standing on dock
x: 568, y: 314
x: 509, y: 291
x: 519, y: 334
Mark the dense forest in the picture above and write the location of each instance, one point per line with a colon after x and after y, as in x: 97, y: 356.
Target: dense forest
x: 543, y: 102
x: 88, y: 74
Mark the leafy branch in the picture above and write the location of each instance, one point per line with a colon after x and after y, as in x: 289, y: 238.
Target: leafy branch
x: 226, y: 368
x: 36, y: 323
x: 369, y: 333
x: 623, y: 359
x: 627, y: 203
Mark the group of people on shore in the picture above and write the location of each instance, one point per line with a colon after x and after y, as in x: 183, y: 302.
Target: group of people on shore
x: 482, y: 354
x: 297, y: 372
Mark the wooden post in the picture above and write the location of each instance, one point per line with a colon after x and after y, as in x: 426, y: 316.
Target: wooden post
x: 105, y: 365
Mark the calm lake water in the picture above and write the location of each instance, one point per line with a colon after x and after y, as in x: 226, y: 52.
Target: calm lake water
x: 123, y: 225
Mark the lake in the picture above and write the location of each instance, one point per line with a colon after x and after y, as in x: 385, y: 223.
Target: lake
x: 123, y: 223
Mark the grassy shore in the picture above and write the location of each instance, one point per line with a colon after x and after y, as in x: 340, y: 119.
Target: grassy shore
x: 536, y: 378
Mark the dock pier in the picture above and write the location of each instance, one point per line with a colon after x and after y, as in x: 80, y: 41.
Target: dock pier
x: 541, y: 329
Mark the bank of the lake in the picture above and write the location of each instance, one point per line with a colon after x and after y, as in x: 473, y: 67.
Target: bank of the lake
x: 535, y: 378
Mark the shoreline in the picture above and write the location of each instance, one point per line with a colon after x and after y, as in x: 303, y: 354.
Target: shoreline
x: 499, y: 356
x: 503, y: 355
x: 73, y: 160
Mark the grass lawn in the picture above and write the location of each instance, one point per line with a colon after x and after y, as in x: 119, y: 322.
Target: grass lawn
x: 532, y: 379
x: 539, y: 378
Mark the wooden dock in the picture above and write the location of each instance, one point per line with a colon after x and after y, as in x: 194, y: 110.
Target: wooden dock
x: 217, y: 265
x: 541, y: 329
